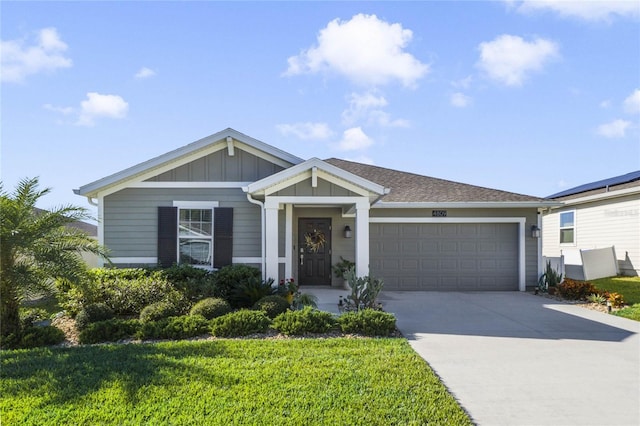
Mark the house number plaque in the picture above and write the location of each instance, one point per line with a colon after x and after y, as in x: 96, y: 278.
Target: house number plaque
x: 438, y: 213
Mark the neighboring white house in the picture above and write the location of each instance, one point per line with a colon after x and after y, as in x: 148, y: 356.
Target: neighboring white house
x: 595, y: 215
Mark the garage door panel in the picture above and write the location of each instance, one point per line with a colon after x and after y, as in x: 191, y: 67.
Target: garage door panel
x: 445, y: 256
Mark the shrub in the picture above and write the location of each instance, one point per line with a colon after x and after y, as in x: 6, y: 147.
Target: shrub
x: 194, y: 283
x: 109, y: 331
x: 157, y: 311
x: 272, y: 305
x: 597, y: 298
x: 368, y: 322
x: 93, y: 312
x: 229, y: 277
x: 29, y: 316
x: 308, y: 320
x: 211, y: 308
x: 41, y: 336
x: 181, y: 327
x: 125, y: 291
x: 550, y: 278
x: 240, y: 323
x: 248, y: 292
x: 576, y: 290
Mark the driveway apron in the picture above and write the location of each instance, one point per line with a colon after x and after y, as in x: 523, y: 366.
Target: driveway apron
x: 513, y: 358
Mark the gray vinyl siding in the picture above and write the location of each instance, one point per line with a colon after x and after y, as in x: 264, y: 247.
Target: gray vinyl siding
x: 531, y: 216
x: 323, y: 189
x: 131, y: 219
x: 220, y: 167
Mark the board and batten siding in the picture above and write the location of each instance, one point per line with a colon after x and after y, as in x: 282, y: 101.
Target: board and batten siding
x: 323, y: 189
x: 530, y: 215
x: 131, y: 219
x: 614, y: 222
x: 220, y: 167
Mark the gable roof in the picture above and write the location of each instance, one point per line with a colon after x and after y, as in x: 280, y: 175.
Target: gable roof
x: 617, y: 182
x: 193, y: 148
x: 318, y: 164
x: 413, y: 188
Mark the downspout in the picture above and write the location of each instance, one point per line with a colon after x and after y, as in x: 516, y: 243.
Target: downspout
x: 262, y: 233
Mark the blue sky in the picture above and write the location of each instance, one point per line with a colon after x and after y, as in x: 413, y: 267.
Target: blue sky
x: 529, y: 97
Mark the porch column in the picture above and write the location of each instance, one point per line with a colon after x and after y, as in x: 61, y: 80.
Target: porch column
x: 362, y: 237
x: 271, y: 237
x: 288, y: 243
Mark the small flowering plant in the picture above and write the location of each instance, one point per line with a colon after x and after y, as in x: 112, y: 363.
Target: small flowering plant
x: 287, y: 286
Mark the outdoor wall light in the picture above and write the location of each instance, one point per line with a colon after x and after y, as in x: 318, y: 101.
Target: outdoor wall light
x: 535, y: 231
x: 347, y: 231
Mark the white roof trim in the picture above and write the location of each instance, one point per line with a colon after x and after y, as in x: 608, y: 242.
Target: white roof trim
x: 93, y: 188
x: 601, y: 196
x: 307, y: 167
x: 466, y: 205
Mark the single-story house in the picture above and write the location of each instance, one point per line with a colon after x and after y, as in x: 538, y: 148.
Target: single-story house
x: 231, y: 199
x: 595, y: 215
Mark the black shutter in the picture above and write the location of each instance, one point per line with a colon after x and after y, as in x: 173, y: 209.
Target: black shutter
x: 167, y: 236
x: 222, y: 236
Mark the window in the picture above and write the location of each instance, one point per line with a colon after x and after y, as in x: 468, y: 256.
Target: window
x: 567, y: 227
x: 198, y: 233
x: 195, y: 236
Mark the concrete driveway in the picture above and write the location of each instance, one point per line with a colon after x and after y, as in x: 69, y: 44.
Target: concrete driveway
x: 516, y: 359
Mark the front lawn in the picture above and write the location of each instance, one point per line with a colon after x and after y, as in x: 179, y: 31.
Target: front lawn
x: 287, y: 381
x: 629, y: 288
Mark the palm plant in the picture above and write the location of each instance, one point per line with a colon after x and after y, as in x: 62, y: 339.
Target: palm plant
x: 36, y: 248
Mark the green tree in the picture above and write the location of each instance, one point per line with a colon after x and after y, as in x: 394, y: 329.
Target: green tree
x: 37, y: 248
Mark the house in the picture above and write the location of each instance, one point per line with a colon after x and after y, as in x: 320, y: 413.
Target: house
x: 595, y: 215
x: 229, y: 198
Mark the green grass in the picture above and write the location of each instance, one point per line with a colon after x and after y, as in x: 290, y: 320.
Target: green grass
x: 309, y: 381
x: 629, y: 288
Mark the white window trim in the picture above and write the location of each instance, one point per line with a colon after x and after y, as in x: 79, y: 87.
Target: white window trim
x: 201, y: 205
x: 574, y: 227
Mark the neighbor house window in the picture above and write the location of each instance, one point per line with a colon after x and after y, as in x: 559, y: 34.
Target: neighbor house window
x: 568, y: 227
x: 195, y: 236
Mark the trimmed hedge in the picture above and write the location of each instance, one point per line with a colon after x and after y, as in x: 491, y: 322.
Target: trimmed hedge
x: 211, y: 308
x: 228, y: 278
x: 41, y: 336
x: 182, y: 327
x: 368, y: 322
x: 576, y: 290
x: 272, y: 305
x: 109, y: 331
x: 157, y: 311
x: 307, y: 320
x: 240, y: 323
x: 93, y: 312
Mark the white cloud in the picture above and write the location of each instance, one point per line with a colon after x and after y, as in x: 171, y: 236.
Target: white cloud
x: 460, y: 100
x: 614, y: 129
x: 368, y: 107
x: 463, y: 83
x: 632, y: 103
x: 354, y: 139
x: 586, y: 10
x: 605, y: 104
x: 98, y: 106
x: 509, y: 59
x: 61, y: 110
x: 46, y: 54
x: 145, y: 72
x: 306, y: 130
x: 365, y: 49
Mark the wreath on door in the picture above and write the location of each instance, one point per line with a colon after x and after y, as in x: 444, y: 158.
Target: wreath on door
x: 314, y: 240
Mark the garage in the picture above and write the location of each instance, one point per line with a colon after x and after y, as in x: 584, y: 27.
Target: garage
x: 445, y: 256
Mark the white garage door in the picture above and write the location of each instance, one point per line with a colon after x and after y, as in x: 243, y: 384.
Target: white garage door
x: 445, y: 256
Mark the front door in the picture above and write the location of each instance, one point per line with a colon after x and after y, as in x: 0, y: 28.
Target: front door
x: 314, y: 251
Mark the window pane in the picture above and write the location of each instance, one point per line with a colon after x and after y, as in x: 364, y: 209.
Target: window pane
x: 566, y: 219
x: 195, y: 223
x: 566, y: 236
x: 195, y: 252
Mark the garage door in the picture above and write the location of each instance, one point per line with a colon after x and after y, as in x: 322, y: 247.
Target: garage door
x: 445, y: 256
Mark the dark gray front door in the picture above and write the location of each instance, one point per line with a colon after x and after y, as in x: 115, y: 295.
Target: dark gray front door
x: 314, y: 251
